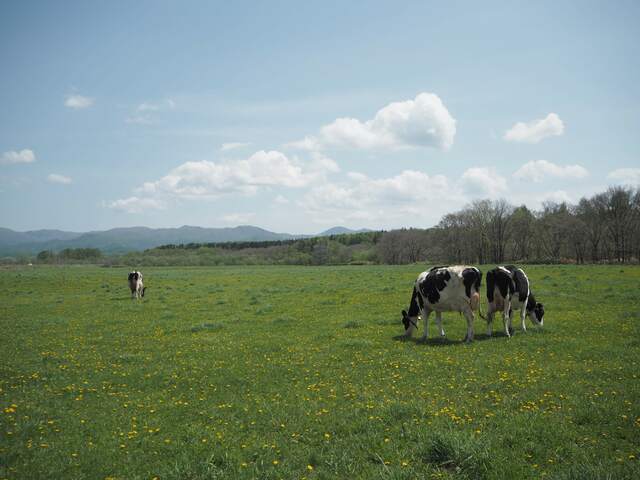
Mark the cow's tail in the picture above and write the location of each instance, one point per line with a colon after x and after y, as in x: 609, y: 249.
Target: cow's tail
x: 474, y: 300
x: 480, y: 309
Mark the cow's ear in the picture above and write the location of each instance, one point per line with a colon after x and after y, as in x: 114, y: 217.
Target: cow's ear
x: 404, y: 313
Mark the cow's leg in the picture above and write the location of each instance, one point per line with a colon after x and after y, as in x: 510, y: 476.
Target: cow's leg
x: 523, y: 314
x: 490, y: 313
x: 469, y: 316
x: 439, y: 323
x: 506, y: 316
x: 425, y: 317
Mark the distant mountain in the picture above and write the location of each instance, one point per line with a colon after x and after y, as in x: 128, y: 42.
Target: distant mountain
x: 120, y: 240
x: 10, y: 237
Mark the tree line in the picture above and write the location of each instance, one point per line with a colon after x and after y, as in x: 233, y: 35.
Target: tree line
x: 603, y: 228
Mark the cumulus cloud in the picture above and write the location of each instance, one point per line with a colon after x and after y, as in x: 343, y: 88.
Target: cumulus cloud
x: 537, y: 170
x: 23, y: 156
x: 57, y: 178
x: 483, y: 181
x: 263, y: 169
x: 629, y: 176
x: 411, y: 195
x: 136, y: 204
x: 78, y: 102
x: 205, y: 178
x: 421, y: 122
x: 536, y: 130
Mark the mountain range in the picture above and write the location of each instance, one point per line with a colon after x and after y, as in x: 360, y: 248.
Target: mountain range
x: 120, y: 240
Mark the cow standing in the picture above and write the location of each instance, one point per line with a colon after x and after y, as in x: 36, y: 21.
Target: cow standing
x: 444, y: 289
x: 508, y: 289
x: 136, y: 285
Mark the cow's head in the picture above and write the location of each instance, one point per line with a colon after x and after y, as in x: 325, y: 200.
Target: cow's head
x: 538, y: 314
x: 408, y: 322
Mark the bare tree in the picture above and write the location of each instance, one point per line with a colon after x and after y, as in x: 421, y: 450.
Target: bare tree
x: 522, y: 221
x: 500, y: 228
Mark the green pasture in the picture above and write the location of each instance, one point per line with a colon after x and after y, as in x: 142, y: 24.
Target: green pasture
x: 297, y: 372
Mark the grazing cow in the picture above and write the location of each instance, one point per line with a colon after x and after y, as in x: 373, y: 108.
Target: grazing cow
x: 508, y: 290
x: 444, y: 289
x: 136, y: 285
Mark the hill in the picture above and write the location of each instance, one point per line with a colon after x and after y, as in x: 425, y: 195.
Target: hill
x: 121, y: 240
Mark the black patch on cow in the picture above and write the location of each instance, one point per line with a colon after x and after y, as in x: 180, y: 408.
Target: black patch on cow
x: 143, y: 290
x: 471, y: 277
x: 436, y: 268
x: 520, y: 280
x: 501, y: 279
x: 416, y: 304
x: 434, y: 283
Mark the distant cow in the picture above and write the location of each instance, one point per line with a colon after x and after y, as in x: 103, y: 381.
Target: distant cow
x: 508, y: 290
x: 444, y: 289
x: 136, y: 285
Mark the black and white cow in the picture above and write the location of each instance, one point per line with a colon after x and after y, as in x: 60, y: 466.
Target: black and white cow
x: 444, y: 289
x: 136, y: 285
x: 508, y: 289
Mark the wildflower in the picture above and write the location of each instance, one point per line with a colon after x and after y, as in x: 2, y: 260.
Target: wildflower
x: 310, y: 467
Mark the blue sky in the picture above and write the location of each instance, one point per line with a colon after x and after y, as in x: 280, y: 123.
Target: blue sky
x: 298, y: 116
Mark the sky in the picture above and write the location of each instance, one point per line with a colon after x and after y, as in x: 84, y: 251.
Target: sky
x: 300, y: 116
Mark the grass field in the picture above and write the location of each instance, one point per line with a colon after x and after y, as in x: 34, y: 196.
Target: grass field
x: 294, y: 372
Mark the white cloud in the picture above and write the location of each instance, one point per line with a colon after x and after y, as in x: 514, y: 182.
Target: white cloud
x: 422, y: 122
x: 536, y: 130
x: 78, y: 101
x: 406, y: 198
x: 238, y: 218
x: 57, y: 178
x: 630, y: 176
x: 136, y: 205
x: 483, y: 182
x: 281, y: 200
x: 23, y: 156
x: 232, y: 145
x: 206, y: 179
x: 537, y: 170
